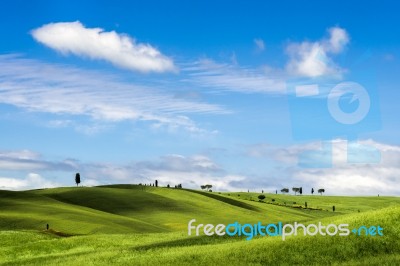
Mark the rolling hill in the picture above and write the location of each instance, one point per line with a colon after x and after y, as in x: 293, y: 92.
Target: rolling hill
x: 128, y: 224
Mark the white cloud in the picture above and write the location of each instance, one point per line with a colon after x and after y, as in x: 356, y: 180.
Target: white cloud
x: 31, y: 181
x: 354, y: 180
x: 192, y: 171
x: 259, y: 44
x: 338, y: 40
x: 63, y: 90
x: 306, y: 59
x: 95, y: 43
x: 343, y: 178
x: 173, y: 169
x: 312, y: 59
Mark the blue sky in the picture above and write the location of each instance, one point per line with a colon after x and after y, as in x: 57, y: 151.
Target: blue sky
x: 256, y: 96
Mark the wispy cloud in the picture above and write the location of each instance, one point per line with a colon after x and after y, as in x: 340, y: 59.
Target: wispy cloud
x: 168, y: 166
x: 26, y: 160
x: 225, y: 77
x: 95, y: 43
x: 312, y: 59
x: 57, y: 89
x: 259, y: 44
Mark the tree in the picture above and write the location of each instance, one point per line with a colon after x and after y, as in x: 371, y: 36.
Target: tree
x: 156, y: 183
x: 77, y: 179
x: 312, y: 191
x: 295, y: 190
x: 206, y: 187
x: 321, y: 190
x: 168, y: 186
x: 285, y: 190
x: 261, y: 197
x: 301, y: 190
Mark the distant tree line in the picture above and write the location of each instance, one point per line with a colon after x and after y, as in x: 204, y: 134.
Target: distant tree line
x: 300, y: 190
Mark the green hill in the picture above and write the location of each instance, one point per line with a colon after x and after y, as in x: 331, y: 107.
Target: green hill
x: 127, y: 224
x: 129, y: 209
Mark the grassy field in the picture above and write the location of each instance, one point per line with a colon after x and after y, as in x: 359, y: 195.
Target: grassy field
x: 126, y: 224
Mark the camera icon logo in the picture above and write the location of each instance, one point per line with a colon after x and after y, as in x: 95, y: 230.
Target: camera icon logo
x: 359, y: 93
x: 323, y: 112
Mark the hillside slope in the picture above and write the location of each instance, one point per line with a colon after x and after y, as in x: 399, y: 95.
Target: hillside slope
x: 137, y: 209
x: 126, y: 209
x: 174, y: 248
x: 30, y: 210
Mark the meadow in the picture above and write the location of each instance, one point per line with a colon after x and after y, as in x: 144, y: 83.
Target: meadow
x: 137, y: 225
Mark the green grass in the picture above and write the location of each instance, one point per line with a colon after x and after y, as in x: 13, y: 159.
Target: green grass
x: 134, y: 225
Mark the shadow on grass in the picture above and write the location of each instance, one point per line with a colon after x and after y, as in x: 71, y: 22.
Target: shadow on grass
x: 227, y: 200
x: 191, y: 241
x: 57, y: 233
